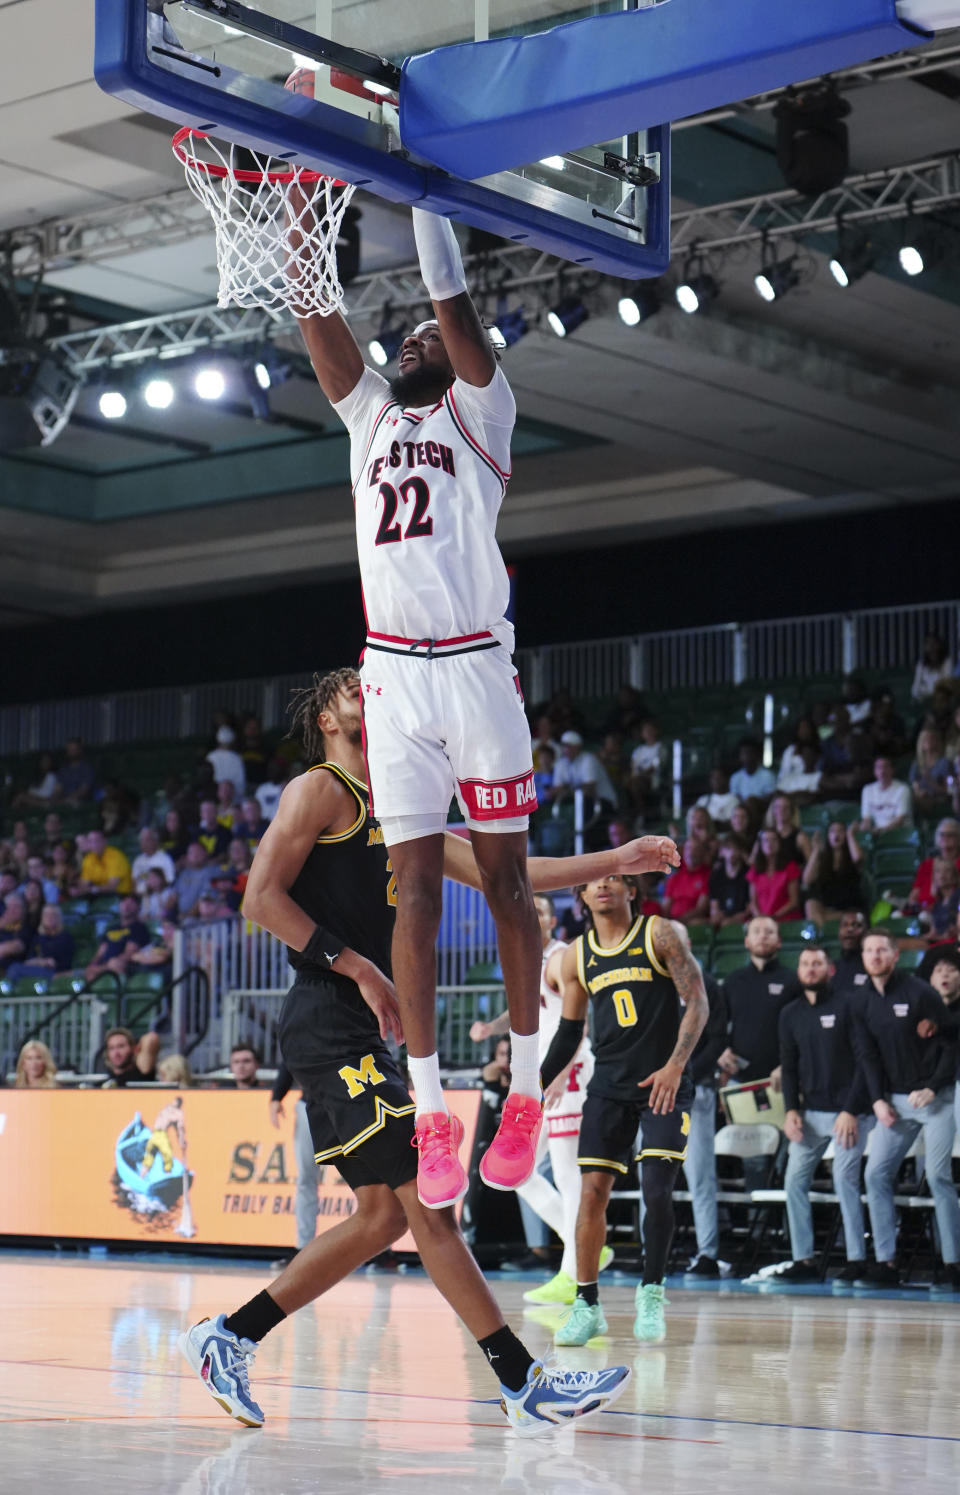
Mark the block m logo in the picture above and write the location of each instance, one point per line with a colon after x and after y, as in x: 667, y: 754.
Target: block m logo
x: 355, y: 1079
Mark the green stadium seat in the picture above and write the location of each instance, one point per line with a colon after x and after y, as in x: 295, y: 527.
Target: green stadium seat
x: 726, y: 961
x: 894, y: 860
x: 145, y: 981
x: 910, y: 959
x: 729, y: 936
x: 790, y: 955
x: 30, y: 986
x: 483, y: 973
x: 841, y: 809
x: 701, y: 937
x: 900, y: 835
x: 66, y: 983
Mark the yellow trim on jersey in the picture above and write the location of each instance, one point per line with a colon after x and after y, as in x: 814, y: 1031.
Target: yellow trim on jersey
x: 355, y: 786
x: 581, y: 973
x: 603, y: 1163
x: 648, y: 946
x: 660, y: 1152
x: 383, y: 1111
x: 614, y: 949
x: 330, y: 1153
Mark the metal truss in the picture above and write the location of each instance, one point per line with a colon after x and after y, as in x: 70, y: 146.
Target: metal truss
x: 919, y: 187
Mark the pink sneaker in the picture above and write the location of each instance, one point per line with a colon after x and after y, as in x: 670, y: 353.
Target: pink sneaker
x: 508, y: 1161
x: 441, y: 1179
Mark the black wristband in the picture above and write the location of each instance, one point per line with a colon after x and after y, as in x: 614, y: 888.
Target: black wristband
x: 565, y: 1043
x: 322, y: 948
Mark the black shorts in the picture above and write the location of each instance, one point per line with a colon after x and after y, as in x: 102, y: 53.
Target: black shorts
x: 360, y: 1112
x: 609, y: 1131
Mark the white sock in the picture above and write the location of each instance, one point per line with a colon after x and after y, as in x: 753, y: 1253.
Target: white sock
x: 425, y: 1081
x: 525, y: 1064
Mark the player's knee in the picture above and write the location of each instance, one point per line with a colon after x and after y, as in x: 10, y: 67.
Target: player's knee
x: 594, y: 1192
x: 421, y: 902
x: 658, y: 1176
x: 382, y: 1216
x: 506, y: 887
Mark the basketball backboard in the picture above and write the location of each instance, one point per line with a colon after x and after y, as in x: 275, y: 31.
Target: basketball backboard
x: 604, y: 207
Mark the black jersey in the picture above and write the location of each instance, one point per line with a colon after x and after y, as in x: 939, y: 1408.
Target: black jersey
x: 636, y: 1010
x: 347, y: 885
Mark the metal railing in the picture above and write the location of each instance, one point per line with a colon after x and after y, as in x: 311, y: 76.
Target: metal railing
x: 252, y: 1016
x: 72, y: 1027
x: 723, y: 654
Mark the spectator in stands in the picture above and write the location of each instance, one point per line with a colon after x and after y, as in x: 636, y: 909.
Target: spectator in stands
x: 251, y: 826
x: 929, y: 774
x: 121, y: 941
x: 269, y: 792
x: 53, y: 835
x: 887, y: 726
x: 14, y: 931
x: 228, y: 811
x: 700, y: 827
x: 774, y: 880
x: 945, y: 980
x: 227, y: 762
x: 700, y: 1165
x: 174, y: 840
x: 802, y: 782
x: 104, y: 869
x: 613, y: 758
x: 40, y: 794
x: 564, y: 714
x: 36, y: 1069
x: 157, y: 899
x: 831, y: 877
x: 842, y: 768
x: 33, y: 901
x: 118, y: 808
x: 849, y: 969
x: 159, y: 952
x: 686, y: 893
x: 951, y: 737
x: 213, y: 836
x: 728, y: 887
x: 211, y: 906
x: 825, y: 1101
x: 76, y: 776
x: 229, y: 897
x: 628, y: 714
x: 50, y: 949
x: 543, y: 776
x: 543, y: 739
x: 63, y: 870
x: 945, y: 885
x: 933, y: 665
x: 151, y: 859
x: 720, y: 802
x: 8, y: 884
x: 192, y: 880
x: 619, y: 831
x: 125, y: 1059
x: 756, y: 993
x: 854, y: 695
x: 947, y: 841
x: 37, y: 871
x: 939, y: 710
x: 804, y: 732
x: 742, y: 823
x: 238, y: 864
x: 20, y: 853
x: 244, y: 1063
x: 648, y: 763
x: 253, y: 750
x: 884, y: 804
x: 173, y: 1069
x: 911, y: 1083
x: 783, y: 817
x: 752, y: 781
x: 578, y: 769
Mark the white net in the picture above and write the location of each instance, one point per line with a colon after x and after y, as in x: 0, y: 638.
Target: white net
x: 276, y: 231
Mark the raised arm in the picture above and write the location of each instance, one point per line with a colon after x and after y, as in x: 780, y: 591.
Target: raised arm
x: 671, y: 946
x: 464, y: 336
x: 547, y: 874
x: 332, y: 347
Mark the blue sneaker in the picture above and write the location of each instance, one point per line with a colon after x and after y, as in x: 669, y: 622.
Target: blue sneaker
x: 650, y: 1324
x: 553, y: 1397
x: 583, y: 1323
x: 220, y: 1359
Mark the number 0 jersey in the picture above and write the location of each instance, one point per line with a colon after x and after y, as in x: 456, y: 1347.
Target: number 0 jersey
x: 636, y: 1010
x: 346, y: 884
x: 427, y: 487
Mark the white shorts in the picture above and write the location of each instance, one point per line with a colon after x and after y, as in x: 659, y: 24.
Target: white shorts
x: 441, y: 724
x: 564, y: 1120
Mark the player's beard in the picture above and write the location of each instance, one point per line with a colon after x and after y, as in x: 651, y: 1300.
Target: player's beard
x: 421, y: 386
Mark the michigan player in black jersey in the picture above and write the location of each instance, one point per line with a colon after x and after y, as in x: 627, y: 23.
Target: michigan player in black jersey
x: 322, y: 882
x: 649, y: 1009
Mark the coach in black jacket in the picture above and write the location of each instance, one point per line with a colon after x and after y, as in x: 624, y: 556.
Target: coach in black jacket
x: 825, y: 1100
x: 911, y: 1085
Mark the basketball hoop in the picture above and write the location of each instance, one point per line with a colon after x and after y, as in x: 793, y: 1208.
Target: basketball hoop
x: 276, y: 231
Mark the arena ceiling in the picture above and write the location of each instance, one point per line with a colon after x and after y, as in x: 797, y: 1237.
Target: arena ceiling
x: 824, y: 402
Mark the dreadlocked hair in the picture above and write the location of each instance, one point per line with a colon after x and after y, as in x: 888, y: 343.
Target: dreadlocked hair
x: 307, y: 704
x: 633, y: 883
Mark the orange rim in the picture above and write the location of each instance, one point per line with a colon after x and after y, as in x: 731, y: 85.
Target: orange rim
x: 212, y: 168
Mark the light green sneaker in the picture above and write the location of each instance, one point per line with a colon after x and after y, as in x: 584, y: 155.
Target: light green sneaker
x: 649, y: 1324
x: 560, y: 1289
x: 582, y: 1323
x: 606, y: 1257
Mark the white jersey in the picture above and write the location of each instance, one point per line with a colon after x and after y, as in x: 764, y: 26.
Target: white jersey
x: 427, y: 487
x: 564, y: 1119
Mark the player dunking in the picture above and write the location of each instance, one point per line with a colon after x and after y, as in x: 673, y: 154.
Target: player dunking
x: 649, y: 1009
x: 559, y: 1202
x: 321, y: 881
x: 429, y: 462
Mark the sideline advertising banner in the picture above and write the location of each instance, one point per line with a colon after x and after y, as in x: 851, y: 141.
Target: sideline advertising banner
x: 164, y: 1166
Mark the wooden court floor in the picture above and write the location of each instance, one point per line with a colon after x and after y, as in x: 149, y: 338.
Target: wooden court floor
x: 376, y: 1387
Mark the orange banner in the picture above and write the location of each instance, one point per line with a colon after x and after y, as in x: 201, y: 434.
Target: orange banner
x: 163, y: 1166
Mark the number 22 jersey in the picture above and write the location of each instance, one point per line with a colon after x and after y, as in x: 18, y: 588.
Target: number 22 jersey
x: 428, y: 483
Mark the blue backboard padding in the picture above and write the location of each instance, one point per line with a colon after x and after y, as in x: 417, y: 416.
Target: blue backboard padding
x: 483, y: 107
x: 263, y: 116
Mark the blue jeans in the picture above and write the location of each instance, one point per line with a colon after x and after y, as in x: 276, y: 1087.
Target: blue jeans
x: 801, y: 1166
x: 888, y: 1149
x: 700, y: 1168
x: 305, y: 1200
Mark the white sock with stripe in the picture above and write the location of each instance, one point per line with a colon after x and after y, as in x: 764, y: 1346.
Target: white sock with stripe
x: 425, y: 1082
x: 525, y: 1064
